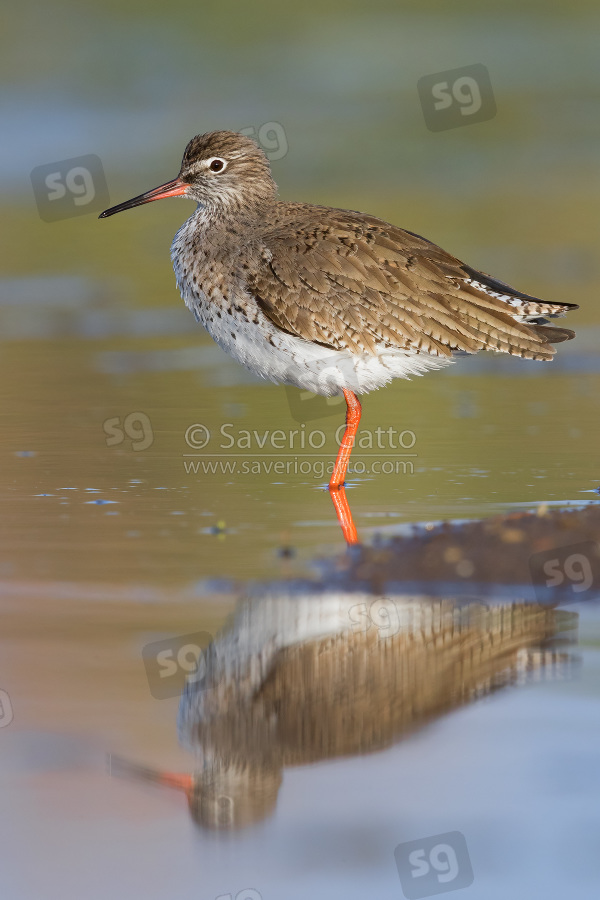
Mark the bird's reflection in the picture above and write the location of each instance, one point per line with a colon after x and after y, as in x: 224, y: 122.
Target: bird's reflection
x: 303, y: 675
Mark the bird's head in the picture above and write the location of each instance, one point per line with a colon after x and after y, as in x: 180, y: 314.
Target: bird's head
x: 220, y: 170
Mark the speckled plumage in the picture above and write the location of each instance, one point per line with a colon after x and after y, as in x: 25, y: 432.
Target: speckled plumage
x: 327, y: 298
x: 330, y: 300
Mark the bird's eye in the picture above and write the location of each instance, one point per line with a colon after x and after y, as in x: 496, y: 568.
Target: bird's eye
x: 216, y: 164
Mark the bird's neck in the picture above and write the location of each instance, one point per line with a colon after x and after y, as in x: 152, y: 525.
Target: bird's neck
x: 229, y: 223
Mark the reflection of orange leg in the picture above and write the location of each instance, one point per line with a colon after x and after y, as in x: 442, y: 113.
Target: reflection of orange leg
x: 336, y: 485
x: 344, y: 515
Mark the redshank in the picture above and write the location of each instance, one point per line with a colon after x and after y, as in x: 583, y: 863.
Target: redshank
x: 330, y: 300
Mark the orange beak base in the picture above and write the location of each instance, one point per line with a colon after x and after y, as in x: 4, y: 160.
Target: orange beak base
x: 175, y: 188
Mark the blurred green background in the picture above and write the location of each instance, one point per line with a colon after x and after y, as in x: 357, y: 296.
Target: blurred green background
x: 92, y: 327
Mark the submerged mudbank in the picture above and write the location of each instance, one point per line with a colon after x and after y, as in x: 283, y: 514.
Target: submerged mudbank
x: 551, y: 555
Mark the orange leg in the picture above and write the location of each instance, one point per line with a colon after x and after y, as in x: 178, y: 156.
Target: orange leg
x: 336, y: 485
x: 353, y: 410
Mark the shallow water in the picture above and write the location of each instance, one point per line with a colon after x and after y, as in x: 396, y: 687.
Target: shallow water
x: 150, y: 484
x: 445, y: 446
x: 107, y: 549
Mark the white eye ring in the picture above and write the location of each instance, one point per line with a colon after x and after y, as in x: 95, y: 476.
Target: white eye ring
x: 216, y: 159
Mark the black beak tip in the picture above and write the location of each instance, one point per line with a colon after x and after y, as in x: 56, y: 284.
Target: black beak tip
x: 105, y: 214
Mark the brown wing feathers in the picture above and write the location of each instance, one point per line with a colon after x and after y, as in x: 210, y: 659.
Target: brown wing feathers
x: 355, y: 282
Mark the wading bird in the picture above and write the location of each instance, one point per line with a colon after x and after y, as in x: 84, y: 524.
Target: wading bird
x: 330, y: 300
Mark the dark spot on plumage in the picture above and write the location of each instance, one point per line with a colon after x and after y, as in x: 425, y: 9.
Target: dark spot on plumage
x: 234, y: 335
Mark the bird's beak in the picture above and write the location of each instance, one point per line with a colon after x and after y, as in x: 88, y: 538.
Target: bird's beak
x: 175, y: 188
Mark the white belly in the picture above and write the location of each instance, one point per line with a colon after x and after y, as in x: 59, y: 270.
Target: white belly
x: 267, y: 351
x: 285, y: 359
